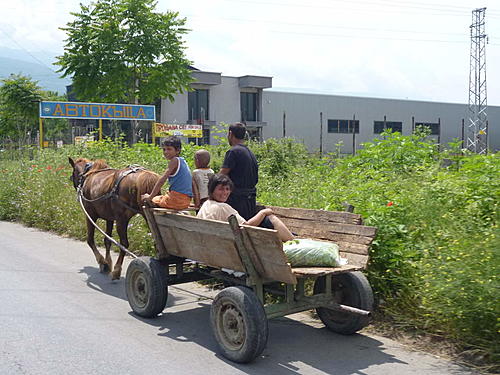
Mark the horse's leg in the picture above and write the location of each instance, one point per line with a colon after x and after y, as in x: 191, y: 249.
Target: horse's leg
x: 107, y: 244
x: 90, y: 241
x: 121, y: 228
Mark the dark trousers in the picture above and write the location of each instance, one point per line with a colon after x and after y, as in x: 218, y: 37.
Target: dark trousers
x: 243, y: 202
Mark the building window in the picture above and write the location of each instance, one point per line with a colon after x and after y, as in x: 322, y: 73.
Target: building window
x: 249, y: 106
x: 255, y: 133
x: 380, y: 126
x: 433, y: 126
x: 198, y: 106
x: 343, y: 126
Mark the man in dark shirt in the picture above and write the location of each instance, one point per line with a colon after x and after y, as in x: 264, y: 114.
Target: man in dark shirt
x: 241, y: 167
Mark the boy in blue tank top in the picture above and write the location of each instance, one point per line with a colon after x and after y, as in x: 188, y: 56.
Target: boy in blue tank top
x: 179, y: 179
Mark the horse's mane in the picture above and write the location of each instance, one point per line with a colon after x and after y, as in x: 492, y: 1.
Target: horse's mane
x: 99, y: 164
x: 96, y: 164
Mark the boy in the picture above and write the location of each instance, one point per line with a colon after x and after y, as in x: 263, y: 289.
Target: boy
x: 200, y: 177
x: 179, y: 179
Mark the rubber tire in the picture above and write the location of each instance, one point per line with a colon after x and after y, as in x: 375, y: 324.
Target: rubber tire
x: 242, y: 302
x: 351, y: 289
x: 146, y: 287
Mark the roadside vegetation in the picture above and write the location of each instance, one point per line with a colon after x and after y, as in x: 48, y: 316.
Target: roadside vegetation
x: 434, y: 263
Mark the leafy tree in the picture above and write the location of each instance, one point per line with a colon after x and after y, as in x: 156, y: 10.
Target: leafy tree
x: 19, y: 97
x: 124, y: 51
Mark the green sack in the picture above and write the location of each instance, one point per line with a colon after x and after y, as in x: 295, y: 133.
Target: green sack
x: 304, y: 252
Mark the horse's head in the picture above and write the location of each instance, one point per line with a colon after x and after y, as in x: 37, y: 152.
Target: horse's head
x: 80, y: 167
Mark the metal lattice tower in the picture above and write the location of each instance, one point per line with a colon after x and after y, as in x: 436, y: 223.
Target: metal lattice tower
x: 477, y: 131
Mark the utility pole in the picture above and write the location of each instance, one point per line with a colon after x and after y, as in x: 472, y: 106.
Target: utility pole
x: 477, y: 136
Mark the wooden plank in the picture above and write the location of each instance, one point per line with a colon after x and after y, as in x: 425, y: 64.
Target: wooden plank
x: 319, y: 227
x: 353, y: 248
x: 161, y: 211
x: 194, y: 224
x: 317, y: 215
x: 160, y: 247
x: 269, y: 249
x: 243, y: 251
x: 355, y: 259
x: 212, y: 244
x: 308, y: 232
x: 321, y: 271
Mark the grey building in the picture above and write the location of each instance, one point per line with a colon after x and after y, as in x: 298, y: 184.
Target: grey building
x: 322, y: 122
x: 215, y: 99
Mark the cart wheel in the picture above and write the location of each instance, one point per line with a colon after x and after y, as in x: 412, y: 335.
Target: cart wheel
x: 146, y: 287
x: 239, y: 324
x: 351, y: 289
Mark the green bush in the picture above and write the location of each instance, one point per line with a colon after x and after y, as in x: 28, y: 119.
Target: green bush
x: 433, y: 265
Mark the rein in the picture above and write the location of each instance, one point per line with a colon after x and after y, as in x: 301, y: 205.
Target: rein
x: 120, y: 246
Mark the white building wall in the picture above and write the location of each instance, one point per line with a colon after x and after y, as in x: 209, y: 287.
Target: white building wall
x: 303, y: 115
x: 303, y: 118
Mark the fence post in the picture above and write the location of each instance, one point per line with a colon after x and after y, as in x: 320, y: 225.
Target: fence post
x: 284, y: 124
x: 321, y: 134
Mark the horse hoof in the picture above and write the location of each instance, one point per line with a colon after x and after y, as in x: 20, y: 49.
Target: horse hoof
x: 104, y: 268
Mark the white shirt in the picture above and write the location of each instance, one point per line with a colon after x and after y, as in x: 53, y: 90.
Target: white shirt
x: 200, y: 177
x: 218, y: 211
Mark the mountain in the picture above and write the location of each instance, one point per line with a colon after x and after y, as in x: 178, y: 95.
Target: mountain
x: 36, y: 65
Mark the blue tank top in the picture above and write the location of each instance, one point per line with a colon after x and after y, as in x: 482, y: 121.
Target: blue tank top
x: 181, y: 181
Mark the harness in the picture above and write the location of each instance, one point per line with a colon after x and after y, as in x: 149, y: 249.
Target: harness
x: 113, y: 193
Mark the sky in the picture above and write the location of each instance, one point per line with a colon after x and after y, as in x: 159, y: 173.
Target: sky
x: 399, y: 49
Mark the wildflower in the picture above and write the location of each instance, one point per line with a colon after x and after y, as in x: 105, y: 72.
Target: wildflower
x: 49, y: 167
x: 390, y: 203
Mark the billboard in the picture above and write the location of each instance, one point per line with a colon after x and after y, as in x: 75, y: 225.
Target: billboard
x: 182, y: 130
x: 104, y: 111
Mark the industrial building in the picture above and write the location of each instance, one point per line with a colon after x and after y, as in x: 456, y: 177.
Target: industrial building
x: 322, y: 122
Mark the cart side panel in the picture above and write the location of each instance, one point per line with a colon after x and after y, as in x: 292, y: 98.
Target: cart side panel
x: 343, y: 228
x: 212, y: 242
x: 206, y: 241
x: 317, y: 215
x: 268, y: 249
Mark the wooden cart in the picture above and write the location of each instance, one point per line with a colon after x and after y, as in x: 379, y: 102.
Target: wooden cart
x: 199, y: 249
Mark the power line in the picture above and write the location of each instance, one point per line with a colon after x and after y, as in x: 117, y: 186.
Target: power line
x: 25, y: 50
x: 459, y: 11
x: 322, y: 25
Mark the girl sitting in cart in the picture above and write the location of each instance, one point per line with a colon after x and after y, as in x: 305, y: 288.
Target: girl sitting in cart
x: 216, y: 208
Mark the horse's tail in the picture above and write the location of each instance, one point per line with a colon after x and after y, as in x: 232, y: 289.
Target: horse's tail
x: 145, y: 183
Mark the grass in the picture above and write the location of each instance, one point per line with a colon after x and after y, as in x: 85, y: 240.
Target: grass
x: 434, y: 264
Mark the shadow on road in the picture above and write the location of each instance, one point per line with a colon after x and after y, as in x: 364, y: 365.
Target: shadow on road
x: 102, y: 282
x: 290, y: 342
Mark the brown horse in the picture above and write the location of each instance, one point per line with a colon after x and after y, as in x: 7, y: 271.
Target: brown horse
x: 113, y: 195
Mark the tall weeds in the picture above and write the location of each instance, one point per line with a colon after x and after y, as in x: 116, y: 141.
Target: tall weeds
x: 434, y: 263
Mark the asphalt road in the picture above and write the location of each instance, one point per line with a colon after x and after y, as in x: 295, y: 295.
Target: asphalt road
x: 59, y: 315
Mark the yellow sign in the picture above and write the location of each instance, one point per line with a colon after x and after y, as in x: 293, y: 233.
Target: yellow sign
x: 83, y: 139
x: 182, y: 130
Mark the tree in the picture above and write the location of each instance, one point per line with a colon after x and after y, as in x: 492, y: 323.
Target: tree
x: 19, y: 103
x: 124, y: 51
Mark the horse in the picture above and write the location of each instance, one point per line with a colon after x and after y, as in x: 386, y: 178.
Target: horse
x: 113, y: 195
